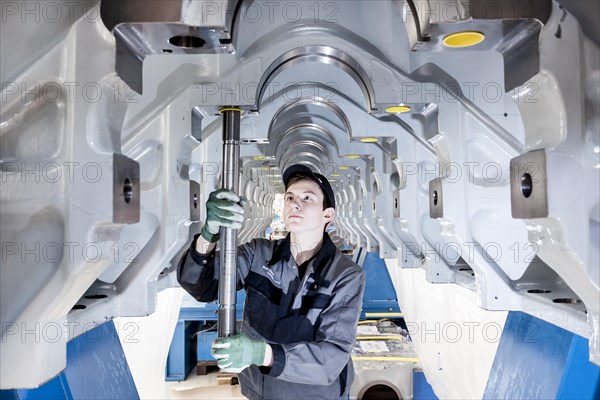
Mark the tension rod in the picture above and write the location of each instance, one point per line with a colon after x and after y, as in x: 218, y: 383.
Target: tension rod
x: 228, y: 240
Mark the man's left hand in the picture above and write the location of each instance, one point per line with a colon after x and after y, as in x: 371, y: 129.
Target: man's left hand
x: 236, y: 353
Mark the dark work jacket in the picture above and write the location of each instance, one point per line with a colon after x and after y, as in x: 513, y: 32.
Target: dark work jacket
x: 310, y: 323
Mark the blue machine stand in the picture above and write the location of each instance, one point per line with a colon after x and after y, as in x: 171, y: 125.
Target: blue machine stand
x: 96, y: 369
x: 190, y: 343
x: 550, y: 363
x: 422, y: 390
x: 380, y: 298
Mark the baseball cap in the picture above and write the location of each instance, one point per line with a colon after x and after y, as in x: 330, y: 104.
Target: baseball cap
x: 300, y: 169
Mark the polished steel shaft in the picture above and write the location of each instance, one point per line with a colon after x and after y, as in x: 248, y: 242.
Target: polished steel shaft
x: 228, y: 241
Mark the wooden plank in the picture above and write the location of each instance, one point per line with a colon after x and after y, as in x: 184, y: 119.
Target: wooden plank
x: 203, y: 367
x: 227, y: 378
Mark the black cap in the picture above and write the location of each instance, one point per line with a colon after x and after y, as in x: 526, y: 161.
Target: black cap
x: 300, y: 169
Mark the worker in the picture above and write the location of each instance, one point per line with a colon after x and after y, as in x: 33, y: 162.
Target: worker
x: 303, y: 296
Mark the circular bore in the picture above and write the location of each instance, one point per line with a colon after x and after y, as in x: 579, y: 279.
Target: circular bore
x: 187, y: 41
x: 95, y: 296
x: 379, y: 391
x: 222, y: 110
x: 526, y: 185
x: 127, y: 190
x: 567, y: 301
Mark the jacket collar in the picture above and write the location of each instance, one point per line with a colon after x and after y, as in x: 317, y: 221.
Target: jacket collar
x: 324, y: 255
x: 281, y: 251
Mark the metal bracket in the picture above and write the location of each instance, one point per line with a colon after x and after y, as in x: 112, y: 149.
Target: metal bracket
x: 194, y: 201
x: 436, y: 199
x: 126, y: 190
x: 528, y: 185
x: 396, y: 203
x: 136, y: 41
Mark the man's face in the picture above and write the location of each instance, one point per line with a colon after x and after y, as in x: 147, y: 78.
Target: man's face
x: 303, y: 208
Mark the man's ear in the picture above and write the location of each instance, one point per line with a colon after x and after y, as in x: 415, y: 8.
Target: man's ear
x: 329, y: 214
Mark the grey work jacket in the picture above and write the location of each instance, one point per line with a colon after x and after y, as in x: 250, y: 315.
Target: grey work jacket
x: 309, y: 323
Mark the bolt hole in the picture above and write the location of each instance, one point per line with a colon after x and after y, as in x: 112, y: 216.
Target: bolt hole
x: 95, y: 296
x: 195, y: 200
x: 435, y: 198
x: 567, y: 301
x: 127, y: 190
x: 187, y: 41
x: 78, y: 307
x: 505, y: 114
x: 526, y: 185
x: 168, y: 51
x: 539, y: 291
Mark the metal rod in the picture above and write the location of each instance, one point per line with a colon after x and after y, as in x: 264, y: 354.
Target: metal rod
x: 228, y: 240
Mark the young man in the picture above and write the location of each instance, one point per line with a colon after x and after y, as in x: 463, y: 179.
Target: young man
x: 303, y: 296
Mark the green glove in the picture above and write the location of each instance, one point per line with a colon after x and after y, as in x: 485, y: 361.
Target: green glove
x: 236, y: 353
x: 223, y: 208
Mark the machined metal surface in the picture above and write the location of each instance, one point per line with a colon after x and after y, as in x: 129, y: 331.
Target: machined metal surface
x: 126, y: 190
x: 528, y: 185
x: 436, y: 198
x: 325, y: 55
x: 137, y: 41
x: 195, y: 205
x: 228, y: 241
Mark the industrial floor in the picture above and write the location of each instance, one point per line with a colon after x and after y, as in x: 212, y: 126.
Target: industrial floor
x: 199, y: 387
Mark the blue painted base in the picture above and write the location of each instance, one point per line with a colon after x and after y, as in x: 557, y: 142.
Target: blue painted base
x: 581, y: 379
x: 380, y: 295
x: 96, y: 369
x: 421, y: 388
x: 182, y: 353
x: 187, y: 347
x: 538, y: 360
x: 204, y: 345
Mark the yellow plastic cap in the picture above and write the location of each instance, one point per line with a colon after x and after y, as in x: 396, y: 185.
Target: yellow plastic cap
x: 463, y: 39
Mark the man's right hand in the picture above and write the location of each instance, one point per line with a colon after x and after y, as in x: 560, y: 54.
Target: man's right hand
x: 222, y: 209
